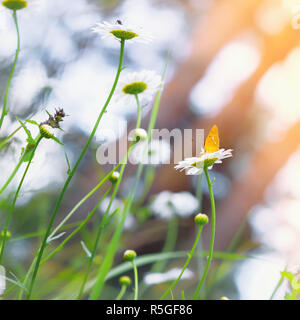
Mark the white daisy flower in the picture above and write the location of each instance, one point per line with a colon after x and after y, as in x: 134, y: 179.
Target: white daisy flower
x: 154, y: 153
x: 210, y: 155
x: 144, y: 84
x: 167, y: 204
x: 120, y: 31
x: 155, y: 278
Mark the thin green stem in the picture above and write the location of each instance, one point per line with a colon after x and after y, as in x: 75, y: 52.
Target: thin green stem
x: 82, y: 224
x: 59, y: 248
x: 99, y: 231
x: 70, y: 176
x: 122, y: 292
x: 85, y: 198
x: 38, y: 140
x: 139, y: 115
x: 212, y: 235
x: 13, y: 173
x: 277, y: 287
x: 113, y: 245
x: 170, y: 242
x: 5, y: 140
x: 4, y: 109
x: 149, y: 178
x: 136, y: 282
x: 190, y: 255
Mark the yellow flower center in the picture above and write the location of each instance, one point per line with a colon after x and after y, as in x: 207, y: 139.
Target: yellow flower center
x: 123, y: 34
x: 45, y: 132
x: 134, y: 88
x: 14, y: 4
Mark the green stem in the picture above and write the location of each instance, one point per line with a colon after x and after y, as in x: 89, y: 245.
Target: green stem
x: 13, y: 173
x: 4, y: 109
x: 5, y: 140
x: 122, y: 292
x: 99, y: 232
x: 82, y: 224
x: 70, y: 176
x: 277, y: 287
x: 149, y: 178
x: 113, y: 245
x: 136, y: 282
x: 38, y: 140
x: 59, y: 248
x: 190, y: 255
x: 170, y: 243
x: 212, y: 236
x: 85, y: 198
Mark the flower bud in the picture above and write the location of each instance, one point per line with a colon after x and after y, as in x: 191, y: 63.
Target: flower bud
x: 137, y: 134
x: 224, y: 298
x: 129, y: 255
x: 114, y: 177
x: 14, y: 4
x: 125, y: 281
x: 201, y: 219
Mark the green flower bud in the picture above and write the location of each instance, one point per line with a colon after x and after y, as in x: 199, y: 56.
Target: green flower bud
x: 201, y: 219
x: 129, y: 255
x: 114, y: 177
x: 224, y: 298
x: 14, y: 4
x: 125, y: 281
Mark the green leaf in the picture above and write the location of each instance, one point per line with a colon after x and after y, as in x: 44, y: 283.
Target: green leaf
x: 68, y: 163
x: 182, y: 295
x: 56, y: 140
x: 29, y: 139
x: 32, y: 122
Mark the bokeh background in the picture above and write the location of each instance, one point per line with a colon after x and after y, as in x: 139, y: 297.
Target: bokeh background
x: 232, y: 63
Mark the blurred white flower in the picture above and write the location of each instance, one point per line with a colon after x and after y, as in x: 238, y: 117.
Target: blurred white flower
x: 154, y: 153
x: 155, y: 278
x: 166, y: 204
x: 118, y: 30
x: 130, y: 222
x: 144, y: 84
x: 137, y: 135
x: 2, y: 280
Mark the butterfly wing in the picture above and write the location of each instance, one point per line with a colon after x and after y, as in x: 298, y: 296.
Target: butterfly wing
x: 212, y: 142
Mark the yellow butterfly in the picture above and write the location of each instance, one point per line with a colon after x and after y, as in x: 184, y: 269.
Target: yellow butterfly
x: 212, y: 141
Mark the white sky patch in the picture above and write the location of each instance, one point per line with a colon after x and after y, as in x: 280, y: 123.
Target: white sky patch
x: 233, y: 65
